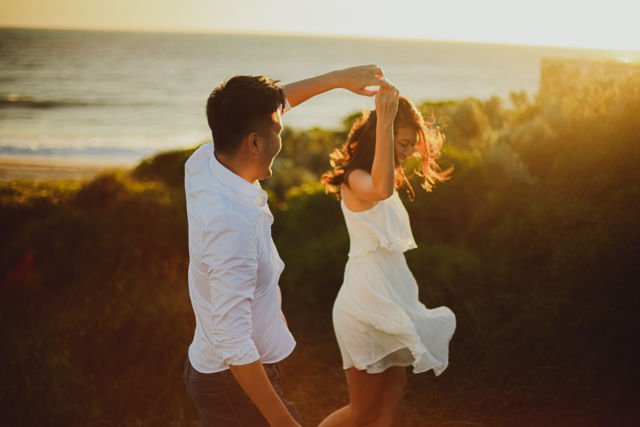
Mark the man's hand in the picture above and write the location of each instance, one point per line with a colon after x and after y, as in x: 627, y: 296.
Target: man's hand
x: 357, y: 79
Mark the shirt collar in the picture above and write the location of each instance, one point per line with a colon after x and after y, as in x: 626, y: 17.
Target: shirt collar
x: 252, y: 193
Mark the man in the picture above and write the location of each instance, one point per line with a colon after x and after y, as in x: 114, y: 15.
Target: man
x: 231, y: 371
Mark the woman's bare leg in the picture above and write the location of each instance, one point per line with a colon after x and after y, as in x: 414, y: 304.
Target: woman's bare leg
x: 394, y: 389
x: 365, y: 398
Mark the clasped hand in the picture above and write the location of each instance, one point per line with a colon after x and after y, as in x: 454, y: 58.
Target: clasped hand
x: 358, y: 79
x: 387, y: 103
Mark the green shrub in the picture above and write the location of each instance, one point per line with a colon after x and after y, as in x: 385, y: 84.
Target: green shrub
x: 533, y: 244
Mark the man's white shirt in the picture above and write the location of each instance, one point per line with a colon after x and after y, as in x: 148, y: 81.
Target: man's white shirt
x: 234, y: 269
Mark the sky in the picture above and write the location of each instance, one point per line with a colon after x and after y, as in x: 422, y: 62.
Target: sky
x: 598, y: 24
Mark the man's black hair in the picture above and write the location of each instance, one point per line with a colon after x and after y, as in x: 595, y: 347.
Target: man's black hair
x: 241, y: 105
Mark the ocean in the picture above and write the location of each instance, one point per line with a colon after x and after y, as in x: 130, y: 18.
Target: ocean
x: 117, y: 97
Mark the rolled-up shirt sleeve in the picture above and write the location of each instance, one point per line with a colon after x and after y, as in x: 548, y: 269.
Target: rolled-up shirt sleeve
x: 230, y: 255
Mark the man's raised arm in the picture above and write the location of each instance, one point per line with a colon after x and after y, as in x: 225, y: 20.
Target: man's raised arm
x: 355, y: 79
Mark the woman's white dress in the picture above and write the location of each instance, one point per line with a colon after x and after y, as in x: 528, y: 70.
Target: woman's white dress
x: 377, y: 317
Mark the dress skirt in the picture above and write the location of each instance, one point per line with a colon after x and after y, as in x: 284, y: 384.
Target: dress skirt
x: 379, y: 321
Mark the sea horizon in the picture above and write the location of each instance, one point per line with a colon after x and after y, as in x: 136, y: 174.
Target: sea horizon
x: 231, y: 32
x: 119, y: 96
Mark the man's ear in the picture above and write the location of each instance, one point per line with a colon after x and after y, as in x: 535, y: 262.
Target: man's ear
x: 253, y: 143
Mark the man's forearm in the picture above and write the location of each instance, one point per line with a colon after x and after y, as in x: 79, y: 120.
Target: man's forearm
x: 355, y: 79
x: 298, y: 92
x: 254, y: 381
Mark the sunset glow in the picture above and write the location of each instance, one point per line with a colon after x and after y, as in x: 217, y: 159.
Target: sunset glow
x: 586, y: 24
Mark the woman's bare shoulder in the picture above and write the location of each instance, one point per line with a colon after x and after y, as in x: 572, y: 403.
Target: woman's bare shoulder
x: 352, y: 201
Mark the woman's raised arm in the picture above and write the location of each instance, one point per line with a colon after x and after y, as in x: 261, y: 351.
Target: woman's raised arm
x: 379, y: 185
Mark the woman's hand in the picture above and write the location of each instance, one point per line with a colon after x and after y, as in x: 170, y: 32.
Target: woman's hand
x: 357, y: 79
x: 387, y: 103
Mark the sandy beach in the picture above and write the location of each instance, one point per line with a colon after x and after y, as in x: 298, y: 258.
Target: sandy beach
x: 46, y: 169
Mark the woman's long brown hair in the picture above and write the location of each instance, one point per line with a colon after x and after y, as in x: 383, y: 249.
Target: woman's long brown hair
x: 359, y: 150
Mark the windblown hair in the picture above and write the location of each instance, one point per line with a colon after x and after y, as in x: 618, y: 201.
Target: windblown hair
x: 358, y: 152
x: 241, y: 105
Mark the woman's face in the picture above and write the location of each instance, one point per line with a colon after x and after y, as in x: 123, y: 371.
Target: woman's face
x: 406, y: 139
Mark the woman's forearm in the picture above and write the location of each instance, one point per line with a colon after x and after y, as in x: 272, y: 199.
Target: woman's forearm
x: 382, y: 171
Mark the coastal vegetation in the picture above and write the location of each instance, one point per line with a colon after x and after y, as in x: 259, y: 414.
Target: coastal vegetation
x: 533, y: 243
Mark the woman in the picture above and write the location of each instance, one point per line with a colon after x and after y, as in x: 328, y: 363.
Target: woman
x: 380, y: 325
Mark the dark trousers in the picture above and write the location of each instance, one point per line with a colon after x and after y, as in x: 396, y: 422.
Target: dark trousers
x: 221, y: 402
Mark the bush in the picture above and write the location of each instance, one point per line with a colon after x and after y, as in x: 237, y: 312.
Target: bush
x: 532, y: 243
